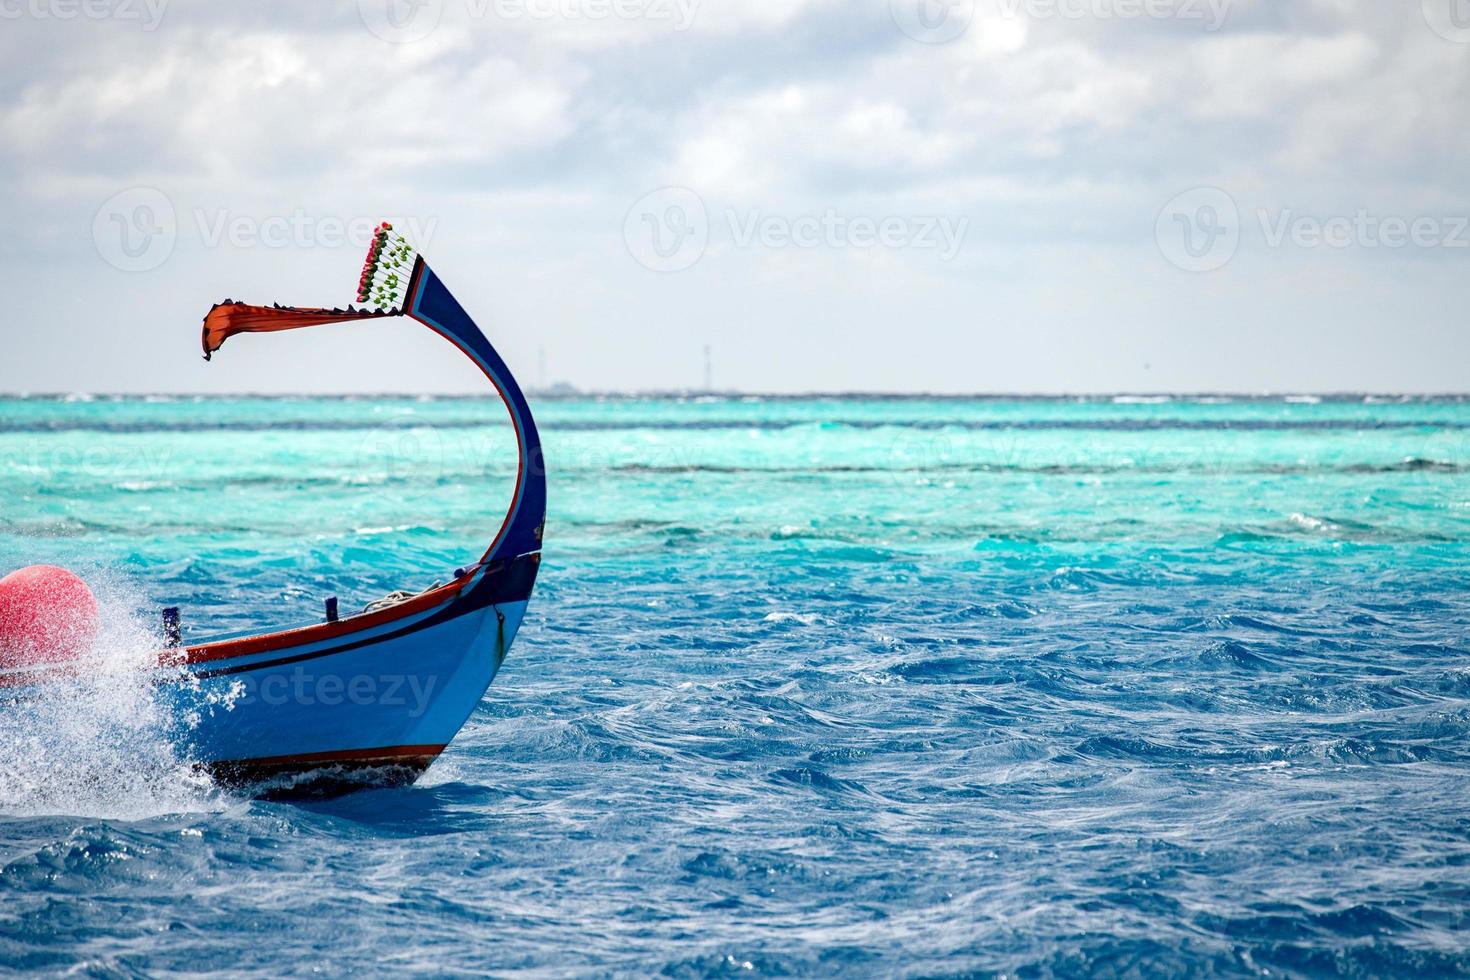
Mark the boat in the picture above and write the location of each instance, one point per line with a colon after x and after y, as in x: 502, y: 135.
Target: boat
x: 371, y: 698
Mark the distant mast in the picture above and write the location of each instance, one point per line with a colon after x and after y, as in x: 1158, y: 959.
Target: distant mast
x: 709, y: 370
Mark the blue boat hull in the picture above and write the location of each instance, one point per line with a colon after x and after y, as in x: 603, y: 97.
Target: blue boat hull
x: 393, y: 703
x: 378, y: 695
x: 375, y: 697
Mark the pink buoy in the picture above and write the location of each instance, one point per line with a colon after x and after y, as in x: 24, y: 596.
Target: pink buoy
x: 47, y: 615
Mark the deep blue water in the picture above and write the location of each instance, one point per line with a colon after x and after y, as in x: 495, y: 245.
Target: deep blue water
x: 871, y: 688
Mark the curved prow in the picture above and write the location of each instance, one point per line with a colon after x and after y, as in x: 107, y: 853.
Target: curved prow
x: 430, y: 302
x: 396, y: 281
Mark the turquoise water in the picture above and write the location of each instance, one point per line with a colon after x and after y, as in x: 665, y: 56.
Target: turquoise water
x: 892, y: 687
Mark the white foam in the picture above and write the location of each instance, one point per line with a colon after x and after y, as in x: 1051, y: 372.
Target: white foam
x: 99, y: 743
x: 806, y: 619
x: 1310, y: 523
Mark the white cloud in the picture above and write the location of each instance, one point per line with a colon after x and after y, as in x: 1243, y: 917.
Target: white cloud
x: 1257, y: 76
x: 528, y: 138
x: 233, y: 107
x: 772, y: 142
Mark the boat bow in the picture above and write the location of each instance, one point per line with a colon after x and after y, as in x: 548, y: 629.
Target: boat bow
x: 433, y: 641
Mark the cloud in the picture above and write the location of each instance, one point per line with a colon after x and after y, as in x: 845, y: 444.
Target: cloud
x: 254, y: 107
x: 527, y: 129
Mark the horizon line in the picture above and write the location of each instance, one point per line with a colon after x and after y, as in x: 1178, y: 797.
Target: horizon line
x: 570, y: 393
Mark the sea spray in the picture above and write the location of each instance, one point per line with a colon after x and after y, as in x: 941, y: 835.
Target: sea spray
x: 100, y: 741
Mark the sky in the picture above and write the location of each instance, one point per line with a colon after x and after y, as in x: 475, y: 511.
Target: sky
x: 950, y: 196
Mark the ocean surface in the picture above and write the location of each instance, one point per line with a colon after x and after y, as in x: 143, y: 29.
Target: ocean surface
x: 822, y: 687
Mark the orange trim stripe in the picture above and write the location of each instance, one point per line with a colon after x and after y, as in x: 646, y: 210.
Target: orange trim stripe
x: 317, y: 632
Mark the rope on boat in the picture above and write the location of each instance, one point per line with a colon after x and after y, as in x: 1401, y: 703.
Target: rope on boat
x: 395, y: 597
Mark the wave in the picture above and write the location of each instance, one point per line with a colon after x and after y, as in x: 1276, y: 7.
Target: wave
x: 1299, y: 525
